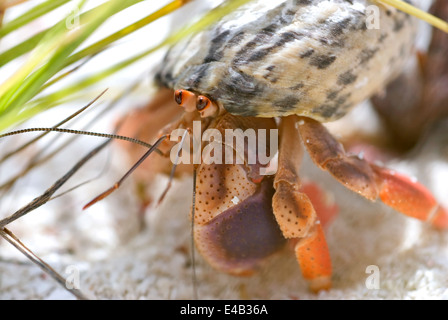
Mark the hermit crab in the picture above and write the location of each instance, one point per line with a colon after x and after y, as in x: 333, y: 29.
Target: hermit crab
x: 240, y: 102
x: 276, y: 65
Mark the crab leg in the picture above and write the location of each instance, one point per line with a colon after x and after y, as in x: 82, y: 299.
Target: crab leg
x: 369, y: 180
x: 295, y: 213
x: 235, y: 229
x: 314, y: 259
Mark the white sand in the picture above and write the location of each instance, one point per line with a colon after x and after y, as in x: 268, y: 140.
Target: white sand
x: 117, y: 261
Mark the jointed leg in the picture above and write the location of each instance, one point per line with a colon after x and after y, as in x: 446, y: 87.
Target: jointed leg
x: 369, y: 180
x: 313, y: 256
x: 295, y: 213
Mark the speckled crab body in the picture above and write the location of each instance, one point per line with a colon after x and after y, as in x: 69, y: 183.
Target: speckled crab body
x: 286, y: 66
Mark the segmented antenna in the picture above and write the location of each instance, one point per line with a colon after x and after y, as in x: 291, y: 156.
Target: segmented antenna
x: 81, y: 132
x: 70, y: 117
x: 126, y: 175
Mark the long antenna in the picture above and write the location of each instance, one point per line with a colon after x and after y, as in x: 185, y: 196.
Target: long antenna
x: 126, y: 175
x: 82, y: 132
x: 70, y: 117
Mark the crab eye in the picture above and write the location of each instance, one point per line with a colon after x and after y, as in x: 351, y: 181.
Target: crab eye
x: 202, y: 103
x: 206, y: 107
x: 178, y: 96
x: 185, y: 99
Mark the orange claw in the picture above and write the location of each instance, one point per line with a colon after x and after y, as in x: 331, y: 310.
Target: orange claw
x: 371, y: 181
x: 409, y: 197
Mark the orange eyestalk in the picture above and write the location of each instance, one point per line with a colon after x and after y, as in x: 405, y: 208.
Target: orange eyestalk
x: 186, y: 99
x: 206, y: 107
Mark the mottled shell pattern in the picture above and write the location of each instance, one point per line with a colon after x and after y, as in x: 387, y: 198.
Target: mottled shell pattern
x: 312, y: 58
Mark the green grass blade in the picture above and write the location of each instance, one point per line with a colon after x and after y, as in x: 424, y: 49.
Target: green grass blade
x: 34, y: 13
x: 34, y: 82
x: 21, y: 48
x: 209, y: 19
x: 31, y: 43
x: 206, y: 21
x: 100, y: 45
x: 27, y: 84
x: 51, y: 41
